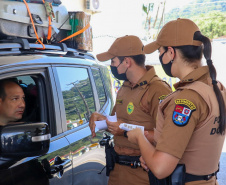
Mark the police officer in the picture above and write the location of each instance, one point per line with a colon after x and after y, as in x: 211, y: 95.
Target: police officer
x: 190, y: 127
x: 136, y: 103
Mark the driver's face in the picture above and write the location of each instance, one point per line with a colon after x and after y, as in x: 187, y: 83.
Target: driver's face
x: 12, y: 107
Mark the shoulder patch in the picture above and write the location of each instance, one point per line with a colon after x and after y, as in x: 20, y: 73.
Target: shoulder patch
x: 162, y: 98
x: 182, y: 111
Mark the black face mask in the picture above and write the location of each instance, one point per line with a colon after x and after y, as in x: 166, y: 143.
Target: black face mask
x: 166, y: 67
x: 116, y: 75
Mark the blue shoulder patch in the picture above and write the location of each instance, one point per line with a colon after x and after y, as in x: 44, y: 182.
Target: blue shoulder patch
x: 182, y: 112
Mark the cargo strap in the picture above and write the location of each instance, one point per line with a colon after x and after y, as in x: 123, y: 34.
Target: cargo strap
x: 50, y: 14
x: 38, y: 39
x: 76, y: 33
x: 49, y: 29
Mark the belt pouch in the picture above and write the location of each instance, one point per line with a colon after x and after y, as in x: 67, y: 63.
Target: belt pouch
x: 110, y: 159
x: 178, y: 175
x: 155, y: 181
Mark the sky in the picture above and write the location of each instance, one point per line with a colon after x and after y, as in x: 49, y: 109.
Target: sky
x: 170, y: 4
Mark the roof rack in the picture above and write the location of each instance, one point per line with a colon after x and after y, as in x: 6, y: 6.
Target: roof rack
x: 22, y: 46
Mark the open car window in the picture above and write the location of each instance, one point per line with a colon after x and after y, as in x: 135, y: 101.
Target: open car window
x: 31, y: 85
x: 30, y: 88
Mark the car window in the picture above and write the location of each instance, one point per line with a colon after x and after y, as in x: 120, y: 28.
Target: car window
x: 77, y: 94
x: 99, y: 86
x: 29, y: 85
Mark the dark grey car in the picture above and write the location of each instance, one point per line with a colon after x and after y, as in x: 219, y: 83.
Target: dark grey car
x: 62, y: 87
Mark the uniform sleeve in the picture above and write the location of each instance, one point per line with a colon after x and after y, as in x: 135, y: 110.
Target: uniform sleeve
x: 181, y: 116
x: 151, y: 99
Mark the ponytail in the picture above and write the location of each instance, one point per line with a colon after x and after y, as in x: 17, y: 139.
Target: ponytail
x: 207, y: 54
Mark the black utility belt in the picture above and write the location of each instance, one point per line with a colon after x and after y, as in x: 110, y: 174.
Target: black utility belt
x: 190, y: 177
x: 178, y: 177
x: 132, y: 161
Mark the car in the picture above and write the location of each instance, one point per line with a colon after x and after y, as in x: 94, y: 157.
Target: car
x: 52, y: 144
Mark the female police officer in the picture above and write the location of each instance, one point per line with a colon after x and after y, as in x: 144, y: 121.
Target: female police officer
x: 190, y: 127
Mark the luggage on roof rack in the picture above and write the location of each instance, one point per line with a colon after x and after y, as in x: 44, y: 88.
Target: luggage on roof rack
x: 45, y: 24
x: 15, y: 20
x: 83, y: 41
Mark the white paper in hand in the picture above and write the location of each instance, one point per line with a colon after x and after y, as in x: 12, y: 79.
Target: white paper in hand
x: 128, y: 127
x: 112, y: 118
x: 101, y: 125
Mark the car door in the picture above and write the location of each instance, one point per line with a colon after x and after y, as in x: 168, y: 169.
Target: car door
x: 42, y: 106
x: 80, y: 98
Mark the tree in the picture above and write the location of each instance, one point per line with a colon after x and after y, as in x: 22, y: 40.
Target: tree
x: 147, y: 10
x: 157, y: 23
x: 212, y: 24
x: 195, y: 8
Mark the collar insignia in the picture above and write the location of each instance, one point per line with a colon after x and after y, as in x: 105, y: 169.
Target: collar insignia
x: 161, y: 98
x: 143, y: 83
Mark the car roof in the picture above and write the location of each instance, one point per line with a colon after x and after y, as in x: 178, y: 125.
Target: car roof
x: 43, y: 59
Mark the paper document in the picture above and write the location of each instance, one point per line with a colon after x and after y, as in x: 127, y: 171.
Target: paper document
x: 128, y: 127
x: 101, y: 125
x: 112, y: 118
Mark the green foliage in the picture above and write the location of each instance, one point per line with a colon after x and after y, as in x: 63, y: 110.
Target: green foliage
x: 212, y: 25
x: 75, y: 99
x: 209, y: 15
x: 99, y: 86
x: 107, y: 83
x: 196, y: 8
x: 145, y: 9
x: 148, y: 8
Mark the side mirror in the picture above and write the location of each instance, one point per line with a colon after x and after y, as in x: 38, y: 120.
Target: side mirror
x: 24, y: 140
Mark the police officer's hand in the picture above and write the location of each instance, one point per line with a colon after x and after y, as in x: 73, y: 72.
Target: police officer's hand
x: 143, y: 164
x: 113, y: 127
x: 95, y: 117
x: 149, y: 135
x: 133, y: 135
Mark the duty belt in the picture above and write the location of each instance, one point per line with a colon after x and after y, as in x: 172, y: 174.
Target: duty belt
x: 132, y: 161
x: 190, y: 177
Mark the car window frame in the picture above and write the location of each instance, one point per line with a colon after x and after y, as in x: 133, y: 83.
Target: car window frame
x: 45, y: 102
x: 102, y: 80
